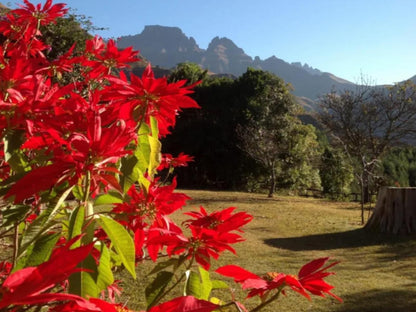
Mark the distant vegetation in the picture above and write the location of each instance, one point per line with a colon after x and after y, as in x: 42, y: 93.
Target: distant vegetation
x: 248, y: 133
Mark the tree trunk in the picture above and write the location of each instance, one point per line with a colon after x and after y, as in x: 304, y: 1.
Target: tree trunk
x: 272, y: 183
x: 395, y: 211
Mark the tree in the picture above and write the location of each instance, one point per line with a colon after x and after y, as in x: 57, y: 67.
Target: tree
x: 298, y: 168
x: 336, y: 173
x: 273, y: 135
x: 367, y: 122
x: 288, y: 152
x: 67, y: 31
x: 190, y: 72
x: 209, y: 135
x: 399, y: 167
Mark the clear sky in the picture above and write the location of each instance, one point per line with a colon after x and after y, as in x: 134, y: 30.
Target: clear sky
x: 349, y: 38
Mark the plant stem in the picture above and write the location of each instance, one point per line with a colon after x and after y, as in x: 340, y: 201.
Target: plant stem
x: 87, y: 186
x: 15, y: 244
x: 263, y: 304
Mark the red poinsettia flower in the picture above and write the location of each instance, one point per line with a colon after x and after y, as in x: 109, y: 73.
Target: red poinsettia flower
x: 29, y: 13
x: 150, y: 207
x: 202, y: 245
x: 150, y: 96
x: 312, y: 275
x: 168, y: 161
x: 206, y: 244
x: 310, y: 279
x: 94, y: 152
x: 29, y: 286
x: 221, y: 221
x: 260, y: 286
x: 64, y: 63
x: 104, y: 57
x: 15, y: 81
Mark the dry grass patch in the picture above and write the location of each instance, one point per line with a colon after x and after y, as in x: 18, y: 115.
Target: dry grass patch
x: 377, y: 272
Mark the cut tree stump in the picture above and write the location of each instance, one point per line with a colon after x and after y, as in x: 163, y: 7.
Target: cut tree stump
x: 395, y: 211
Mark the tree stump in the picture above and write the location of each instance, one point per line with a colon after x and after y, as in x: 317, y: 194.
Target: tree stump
x: 395, y: 211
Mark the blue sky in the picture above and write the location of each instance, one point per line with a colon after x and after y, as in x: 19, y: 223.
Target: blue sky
x: 349, y: 38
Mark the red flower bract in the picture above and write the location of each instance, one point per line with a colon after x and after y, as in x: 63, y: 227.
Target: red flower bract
x: 312, y: 275
x: 28, y: 285
x: 221, y: 221
x: 150, y: 96
x: 36, y: 14
x: 185, y: 304
x: 310, y: 279
x: 180, y: 161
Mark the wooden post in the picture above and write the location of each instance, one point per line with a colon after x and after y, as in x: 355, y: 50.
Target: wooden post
x: 395, y: 211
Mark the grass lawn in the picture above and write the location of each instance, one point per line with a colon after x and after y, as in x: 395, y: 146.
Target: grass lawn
x: 377, y: 272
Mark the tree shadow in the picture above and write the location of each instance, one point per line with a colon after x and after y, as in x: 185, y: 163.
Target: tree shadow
x: 233, y: 199
x: 379, y: 300
x: 338, y: 240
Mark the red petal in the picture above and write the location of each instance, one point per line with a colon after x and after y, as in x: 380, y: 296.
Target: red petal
x: 239, y: 274
x: 311, y: 267
x: 185, y: 304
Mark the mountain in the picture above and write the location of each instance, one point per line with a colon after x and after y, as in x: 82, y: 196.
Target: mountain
x: 164, y: 46
x: 167, y: 46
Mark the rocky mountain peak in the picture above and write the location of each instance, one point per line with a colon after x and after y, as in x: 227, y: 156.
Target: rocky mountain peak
x: 307, y: 68
x: 163, y: 46
x: 168, y: 46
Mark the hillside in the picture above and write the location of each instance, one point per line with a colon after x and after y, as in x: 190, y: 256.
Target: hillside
x: 167, y: 46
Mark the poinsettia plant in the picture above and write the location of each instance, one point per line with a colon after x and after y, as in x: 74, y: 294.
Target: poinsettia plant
x: 80, y: 155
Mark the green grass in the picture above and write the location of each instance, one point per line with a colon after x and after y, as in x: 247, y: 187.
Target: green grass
x: 377, y: 272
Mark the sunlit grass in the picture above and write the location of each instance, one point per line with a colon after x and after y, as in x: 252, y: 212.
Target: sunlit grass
x: 376, y: 273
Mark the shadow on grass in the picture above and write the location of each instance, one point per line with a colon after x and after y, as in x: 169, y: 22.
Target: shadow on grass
x: 339, y: 240
x: 234, y: 199
x: 381, y: 300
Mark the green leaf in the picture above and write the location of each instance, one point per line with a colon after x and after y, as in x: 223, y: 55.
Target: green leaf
x: 192, y: 285
x: 155, y: 147
x: 122, y: 242
x: 154, y: 127
x: 21, y: 262
x: 78, y: 192
x: 76, y: 222
x: 105, y: 276
x: 206, y: 284
x: 155, y: 289
x: 143, y: 149
x: 154, y: 159
x: 14, y: 214
x: 130, y: 172
x: 89, y: 232
x: 109, y: 198
x: 13, y: 155
x: 38, y: 252
x: 146, y: 158
x: 199, y: 285
x: 84, y: 283
x: 135, y: 166
x: 217, y: 284
x: 42, y: 223
x: 42, y: 249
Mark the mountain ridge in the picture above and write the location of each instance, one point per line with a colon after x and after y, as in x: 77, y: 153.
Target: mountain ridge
x: 167, y: 46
